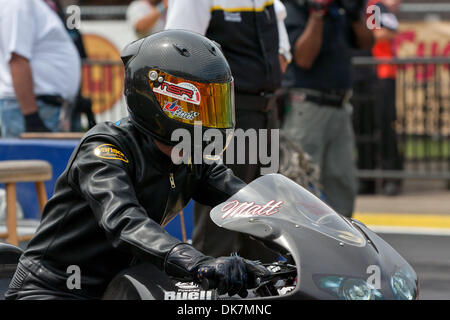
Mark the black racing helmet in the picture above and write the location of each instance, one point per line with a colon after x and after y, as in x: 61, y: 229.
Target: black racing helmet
x: 175, y: 79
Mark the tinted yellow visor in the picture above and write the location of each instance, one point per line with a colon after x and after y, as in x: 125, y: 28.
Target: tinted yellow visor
x: 189, y: 101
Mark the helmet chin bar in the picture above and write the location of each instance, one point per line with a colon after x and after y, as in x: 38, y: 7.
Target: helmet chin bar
x: 150, y: 133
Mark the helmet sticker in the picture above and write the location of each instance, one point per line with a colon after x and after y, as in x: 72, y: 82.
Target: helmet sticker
x: 177, y: 111
x: 110, y: 151
x: 182, y: 91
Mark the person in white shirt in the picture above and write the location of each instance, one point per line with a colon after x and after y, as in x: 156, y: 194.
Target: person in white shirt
x: 147, y: 16
x: 39, y: 67
x: 185, y: 14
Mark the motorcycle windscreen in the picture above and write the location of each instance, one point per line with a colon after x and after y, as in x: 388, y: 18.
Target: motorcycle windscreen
x: 276, y: 197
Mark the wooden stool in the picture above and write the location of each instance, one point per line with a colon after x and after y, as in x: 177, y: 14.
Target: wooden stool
x: 12, y: 172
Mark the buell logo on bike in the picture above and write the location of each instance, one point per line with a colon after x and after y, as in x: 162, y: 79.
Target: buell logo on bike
x: 250, y: 209
x: 182, y: 91
x: 177, y: 111
x: 189, y: 291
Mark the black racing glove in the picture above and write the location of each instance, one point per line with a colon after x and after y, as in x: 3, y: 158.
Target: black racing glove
x: 320, y: 6
x: 232, y: 275
x: 34, y: 123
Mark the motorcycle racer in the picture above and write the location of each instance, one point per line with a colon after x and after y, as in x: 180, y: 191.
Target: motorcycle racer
x: 120, y: 186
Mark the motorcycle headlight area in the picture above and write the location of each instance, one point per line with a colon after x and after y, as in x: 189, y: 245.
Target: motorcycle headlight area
x: 403, y: 286
x: 349, y: 288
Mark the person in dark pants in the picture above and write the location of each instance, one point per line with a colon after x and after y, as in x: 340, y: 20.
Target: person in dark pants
x: 363, y: 102
x: 386, y: 114
x: 218, y: 241
x: 322, y: 33
x: 364, y: 119
x: 254, y: 40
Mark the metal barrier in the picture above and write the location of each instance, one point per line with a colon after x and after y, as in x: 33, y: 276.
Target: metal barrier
x: 422, y: 105
x: 422, y: 90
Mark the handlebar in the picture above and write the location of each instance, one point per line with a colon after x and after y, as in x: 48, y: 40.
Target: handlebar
x: 285, y: 271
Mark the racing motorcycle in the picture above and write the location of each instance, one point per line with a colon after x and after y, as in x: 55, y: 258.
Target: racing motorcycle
x: 323, y: 255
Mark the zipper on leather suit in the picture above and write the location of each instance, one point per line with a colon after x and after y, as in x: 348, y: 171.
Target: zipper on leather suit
x: 172, y: 181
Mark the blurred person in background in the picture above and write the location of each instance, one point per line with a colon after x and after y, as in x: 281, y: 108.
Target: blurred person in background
x: 385, y: 111
x: 147, y: 16
x: 71, y: 118
x: 364, y: 80
x: 321, y: 33
x: 39, y: 67
x: 254, y: 40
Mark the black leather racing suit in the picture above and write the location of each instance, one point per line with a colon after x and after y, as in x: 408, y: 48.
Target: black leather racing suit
x: 108, y: 210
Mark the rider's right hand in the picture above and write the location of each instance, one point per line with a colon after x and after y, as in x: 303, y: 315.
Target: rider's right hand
x: 232, y: 275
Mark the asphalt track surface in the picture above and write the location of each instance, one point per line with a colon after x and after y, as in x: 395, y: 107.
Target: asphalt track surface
x: 429, y: 255
x: 417, y: 225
